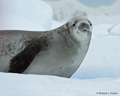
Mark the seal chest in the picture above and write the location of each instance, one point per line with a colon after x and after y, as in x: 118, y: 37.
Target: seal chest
x: 60, y: 61
x: 57, y: 52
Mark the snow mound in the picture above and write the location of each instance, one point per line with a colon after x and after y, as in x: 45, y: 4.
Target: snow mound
x: 102, y: 59
x: 56, y: 24
x: 64, y: 9
x: 115, y: 30
x: 37, y: 85
x: 25, y: 15
x: 104, y: 19
x: 101, y: 30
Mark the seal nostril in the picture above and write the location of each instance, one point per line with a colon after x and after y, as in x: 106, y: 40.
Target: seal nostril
x: 83, y: 23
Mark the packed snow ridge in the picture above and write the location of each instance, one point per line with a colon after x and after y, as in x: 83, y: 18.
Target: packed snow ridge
x: 38, y: 85
x: 25, y: 15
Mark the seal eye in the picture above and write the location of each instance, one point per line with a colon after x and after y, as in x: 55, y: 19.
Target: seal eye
x: 90, y: 23
x: 73, y: 25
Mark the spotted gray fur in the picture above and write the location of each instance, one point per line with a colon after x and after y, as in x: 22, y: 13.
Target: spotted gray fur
x: 56, y: 52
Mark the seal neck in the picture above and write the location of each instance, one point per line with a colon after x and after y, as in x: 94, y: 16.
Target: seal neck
x: 65, y: 33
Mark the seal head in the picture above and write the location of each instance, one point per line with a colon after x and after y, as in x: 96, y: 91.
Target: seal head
x: 80, y: 28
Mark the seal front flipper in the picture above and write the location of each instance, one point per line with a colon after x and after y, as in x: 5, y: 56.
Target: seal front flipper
x: 20, y: 62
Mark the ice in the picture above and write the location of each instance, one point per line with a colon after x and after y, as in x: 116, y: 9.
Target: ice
x: 102, y: 59
x: 56, y: 24
x: 103, y: 30
x: 36, y: 85
x: 64, y: 9
x: 104, y: 19
x: 25, y: 15
x: 115, y: 30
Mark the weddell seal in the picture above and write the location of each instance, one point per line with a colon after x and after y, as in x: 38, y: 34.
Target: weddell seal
x: 56, y: 52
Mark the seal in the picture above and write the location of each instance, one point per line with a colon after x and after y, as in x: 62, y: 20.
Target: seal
x: 57, y: 52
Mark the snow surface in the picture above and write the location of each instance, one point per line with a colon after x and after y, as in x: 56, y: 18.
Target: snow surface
x: 56, y: 24
x: 36, y: 85
x: 103, y: 30
x: 104, y: 19
x: 115, y: 30
x: 102, y: 60
x: 99, y: 72
x: 25, y: 15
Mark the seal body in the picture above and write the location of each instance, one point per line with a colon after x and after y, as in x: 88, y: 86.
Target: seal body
x: 56, y: 52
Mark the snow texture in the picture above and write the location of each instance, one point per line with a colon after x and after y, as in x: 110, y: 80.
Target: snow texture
x: 115, y: 30
x: 36, y: 85
x: 25, y: 15
x: 102, y: 59
x: 64, y: 9
x: 103, y: 30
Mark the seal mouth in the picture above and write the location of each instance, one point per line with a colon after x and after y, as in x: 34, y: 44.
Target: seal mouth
x: 86, y: 30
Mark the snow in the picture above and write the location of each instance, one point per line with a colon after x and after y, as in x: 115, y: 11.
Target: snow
x: 102, y: 59
x: 36, y: 85
x: 107, y: 25
x: 56, y: 24
x: 115, y: 30
x: 103, y: 30
x: 99, y: 73
x: 64, y: 9
x: 104, y: 19
x: 25, y: 15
